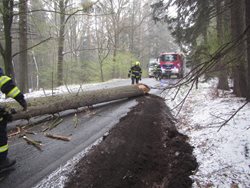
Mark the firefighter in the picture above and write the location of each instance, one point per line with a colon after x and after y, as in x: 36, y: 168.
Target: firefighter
x: 157, y: 72
x: 135, y: 73
x: 8, y: 87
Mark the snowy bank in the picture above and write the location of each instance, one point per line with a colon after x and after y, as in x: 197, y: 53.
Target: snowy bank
x: 222, y: 152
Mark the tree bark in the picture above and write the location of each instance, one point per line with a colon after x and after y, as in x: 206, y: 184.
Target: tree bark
x: 62, y: 7
x: 23, y: 45
x: 83, y: 99
x: 247, y: 16
x: 237, y: 28
x: 223, y: 80
x: 7, y: 52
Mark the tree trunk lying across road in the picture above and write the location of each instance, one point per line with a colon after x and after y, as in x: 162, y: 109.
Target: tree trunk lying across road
x: 82, y: 99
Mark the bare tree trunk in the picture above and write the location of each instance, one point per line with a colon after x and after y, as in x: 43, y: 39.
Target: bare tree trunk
x: 115, y: 69
x: 7, y: 51
x: 223, y: 80
x: 37, y: 71
x: 100, y: 41
x: 62, y: 6
x: 247, y: 16
x: 101, y: 70
x: 23, y: 45
x: 132, y: 32
x: 237, y: 26
x: 83, y: 99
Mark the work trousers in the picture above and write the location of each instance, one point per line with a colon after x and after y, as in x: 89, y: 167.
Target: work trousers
x: 3, y: 139
x: 135, y: 80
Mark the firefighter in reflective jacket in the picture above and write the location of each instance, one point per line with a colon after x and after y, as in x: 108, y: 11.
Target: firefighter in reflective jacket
x: 135, y: 73
x: 8, y: 87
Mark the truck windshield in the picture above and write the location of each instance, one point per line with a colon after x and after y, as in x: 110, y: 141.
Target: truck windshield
x: 168, y: 57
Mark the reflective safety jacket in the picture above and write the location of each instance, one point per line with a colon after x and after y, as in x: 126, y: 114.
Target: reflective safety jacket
x: 8, y: 87
x: 157, y: 69
x: 135, y: 71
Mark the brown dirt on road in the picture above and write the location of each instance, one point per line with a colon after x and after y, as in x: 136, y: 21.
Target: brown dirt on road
x: 143, y: 151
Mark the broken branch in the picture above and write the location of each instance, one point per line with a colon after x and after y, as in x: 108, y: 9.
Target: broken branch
x: 53, y: 124
x: 35, y: 143
x: 75, y: 120
x: 15, y: 133
x: 59, y: 137
x: 232, y: 116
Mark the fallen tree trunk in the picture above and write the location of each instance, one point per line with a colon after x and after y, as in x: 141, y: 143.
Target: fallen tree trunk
x: 87, y: 98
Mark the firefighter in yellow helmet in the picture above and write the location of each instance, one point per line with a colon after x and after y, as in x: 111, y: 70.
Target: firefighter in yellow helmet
x: 8, y: 87
x: 135, y: 73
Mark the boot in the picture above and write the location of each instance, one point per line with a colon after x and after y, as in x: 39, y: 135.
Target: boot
x: 7, y: 163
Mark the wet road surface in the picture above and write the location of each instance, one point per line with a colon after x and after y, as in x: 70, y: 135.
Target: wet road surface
x: 33, y: 165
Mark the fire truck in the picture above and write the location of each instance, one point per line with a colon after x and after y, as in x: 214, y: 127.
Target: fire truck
x: 172, y: 63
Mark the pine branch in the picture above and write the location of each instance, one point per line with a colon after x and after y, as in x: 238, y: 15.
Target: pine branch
x: 31, y: 47
x: 232, y: 116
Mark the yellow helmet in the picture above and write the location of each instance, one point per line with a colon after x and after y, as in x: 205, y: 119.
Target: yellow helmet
x: 137, y: 63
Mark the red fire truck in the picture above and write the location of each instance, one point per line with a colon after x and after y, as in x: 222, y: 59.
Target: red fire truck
x: 172, y: 63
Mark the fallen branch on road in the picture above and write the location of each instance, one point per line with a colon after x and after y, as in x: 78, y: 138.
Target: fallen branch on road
x: 35, y: 143
x: 18, y: 131
x: 58, y: 137
x: 75, y: 120
x: 54, y: 124
x: 21, y: 131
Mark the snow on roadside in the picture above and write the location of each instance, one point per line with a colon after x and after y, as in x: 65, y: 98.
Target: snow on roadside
x: 222, y: 154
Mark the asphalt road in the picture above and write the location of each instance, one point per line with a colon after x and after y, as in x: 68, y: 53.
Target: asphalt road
x: 34, y: 165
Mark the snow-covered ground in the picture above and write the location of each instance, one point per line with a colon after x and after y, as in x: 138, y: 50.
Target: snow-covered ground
x: 222, y: 152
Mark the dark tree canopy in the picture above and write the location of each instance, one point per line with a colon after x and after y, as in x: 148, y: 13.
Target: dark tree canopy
x: 212, y: 33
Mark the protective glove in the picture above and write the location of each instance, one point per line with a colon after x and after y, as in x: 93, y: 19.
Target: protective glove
x: 20, y: 99
x: 23, y: 103
x: 24, y: 106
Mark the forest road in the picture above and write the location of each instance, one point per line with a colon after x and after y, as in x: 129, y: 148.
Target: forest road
x: 33, y: 164
x: 143, y: 149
